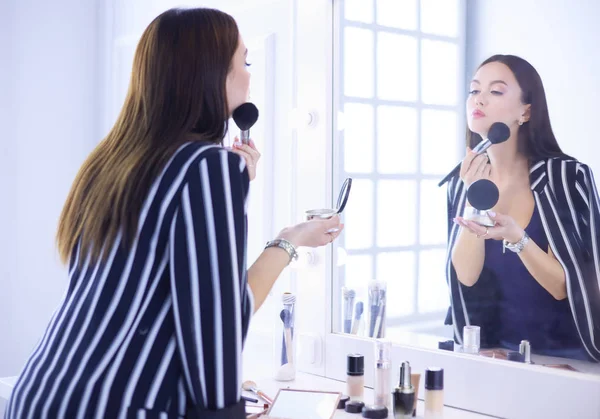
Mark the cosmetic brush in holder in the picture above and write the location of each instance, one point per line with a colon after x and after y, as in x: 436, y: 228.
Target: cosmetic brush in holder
x: 348, y: 296
x: 285, y: 368
x: 357, y: 322
x: 376, y: 309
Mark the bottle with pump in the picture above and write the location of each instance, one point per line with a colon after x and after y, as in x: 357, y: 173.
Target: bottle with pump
x: 383, y: 373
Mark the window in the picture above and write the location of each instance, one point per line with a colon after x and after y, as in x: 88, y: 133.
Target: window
x: 398, y: 107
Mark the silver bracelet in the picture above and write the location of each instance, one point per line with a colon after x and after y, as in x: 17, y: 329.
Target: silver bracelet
x: 285, y: 245
x: 516, y: 247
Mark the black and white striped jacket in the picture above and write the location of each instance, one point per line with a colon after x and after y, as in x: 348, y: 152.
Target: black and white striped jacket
x: 157, y: 331
x: 567, y: 200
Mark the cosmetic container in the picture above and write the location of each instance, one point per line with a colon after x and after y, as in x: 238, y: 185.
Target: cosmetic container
x: 355, y: 380
x: 525, y: 350
x: 285, y: 339
x: 375, y: 412
x: 404, y: 394
x: 434, y: 393
x: 471, y: 339
x: 383, y: 373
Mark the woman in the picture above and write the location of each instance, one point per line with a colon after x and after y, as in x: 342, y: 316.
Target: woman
x: 534, y: 275
x: 154, y: 229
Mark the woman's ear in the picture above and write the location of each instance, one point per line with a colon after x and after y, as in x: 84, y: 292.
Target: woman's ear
x: 526, y: 114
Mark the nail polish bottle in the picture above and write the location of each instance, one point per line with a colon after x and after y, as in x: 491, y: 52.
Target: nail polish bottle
x: 355, y: 380
x: 404, y: 394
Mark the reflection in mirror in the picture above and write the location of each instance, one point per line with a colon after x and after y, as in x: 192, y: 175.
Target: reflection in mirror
x: 398, y: 130
x: 409, y: 266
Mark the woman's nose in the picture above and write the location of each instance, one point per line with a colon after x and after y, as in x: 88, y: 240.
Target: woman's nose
x: 480, y: 100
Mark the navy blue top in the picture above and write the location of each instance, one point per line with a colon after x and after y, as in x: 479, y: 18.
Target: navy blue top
x: 527, y: 310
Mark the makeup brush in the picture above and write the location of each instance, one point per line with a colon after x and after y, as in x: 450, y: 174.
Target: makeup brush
x: 286, y: 318
x: 377, y: 307
x: 245, y: 116
x: 379, y: 321
x: 349, y: 295
x: 251, y: 386
x: 288, y: 298
x: 289, y: 303
x: 374, y: 301
x: 358, y: 311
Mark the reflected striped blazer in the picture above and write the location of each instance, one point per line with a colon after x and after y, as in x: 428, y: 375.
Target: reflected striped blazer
x: 567, y: 199
x: 157, y: 331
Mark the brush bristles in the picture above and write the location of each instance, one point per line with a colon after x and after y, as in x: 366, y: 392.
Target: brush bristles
x: 288, y: 298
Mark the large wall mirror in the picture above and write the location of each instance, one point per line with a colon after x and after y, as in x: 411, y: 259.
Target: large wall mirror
x: 406, y: 89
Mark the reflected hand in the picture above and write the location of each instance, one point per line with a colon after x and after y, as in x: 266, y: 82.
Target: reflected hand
x: 249, y: 153
x: 474, y: 167
x: 313, y: 233
x: 505, y: 228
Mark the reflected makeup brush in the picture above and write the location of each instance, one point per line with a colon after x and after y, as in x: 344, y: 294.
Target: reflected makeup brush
x: 349, y: 295
x: 286, y: 318
x: 376, y: 294
x: 379, y: 321
x: 358, y: 311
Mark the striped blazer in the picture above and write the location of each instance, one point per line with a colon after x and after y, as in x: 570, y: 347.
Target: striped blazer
x: 567, y: 200
x: 156, y: 331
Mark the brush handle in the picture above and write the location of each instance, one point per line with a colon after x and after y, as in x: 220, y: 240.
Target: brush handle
x: 355, y: 325
x: 249, y: 399
x: 373, y: 320
x: 288, y: 345
x: 378, y: 332
x: 245, y: 136
x: 263, y: 396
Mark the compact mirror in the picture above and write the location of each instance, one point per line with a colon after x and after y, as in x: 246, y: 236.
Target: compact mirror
x: 343, y: 196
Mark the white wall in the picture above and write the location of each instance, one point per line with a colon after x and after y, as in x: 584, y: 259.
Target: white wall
x: 560, y: 38
x: 50, y: 117
x: 7, y: 184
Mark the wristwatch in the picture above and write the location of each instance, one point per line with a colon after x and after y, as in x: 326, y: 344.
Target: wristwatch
x: 285, y: 245
x: 518, y: 246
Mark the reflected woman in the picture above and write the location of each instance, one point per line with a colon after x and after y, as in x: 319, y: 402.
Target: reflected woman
x: 535, y: 274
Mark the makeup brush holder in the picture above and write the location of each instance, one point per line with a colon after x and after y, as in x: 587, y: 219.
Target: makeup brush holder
x: 284, y: 350
x: 376, y: 309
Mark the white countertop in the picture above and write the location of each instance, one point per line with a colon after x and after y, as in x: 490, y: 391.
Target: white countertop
x: 304, y: 382
x: 6, y: 385
x: 312, y: 382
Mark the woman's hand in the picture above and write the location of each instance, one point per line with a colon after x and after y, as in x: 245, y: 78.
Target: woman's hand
x: 249, y: 153
x: 474, y: 167
x: 313, y: 233
x: 506, y: 228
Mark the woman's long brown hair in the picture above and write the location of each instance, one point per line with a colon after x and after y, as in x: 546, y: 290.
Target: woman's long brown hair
x: 177, y: 91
